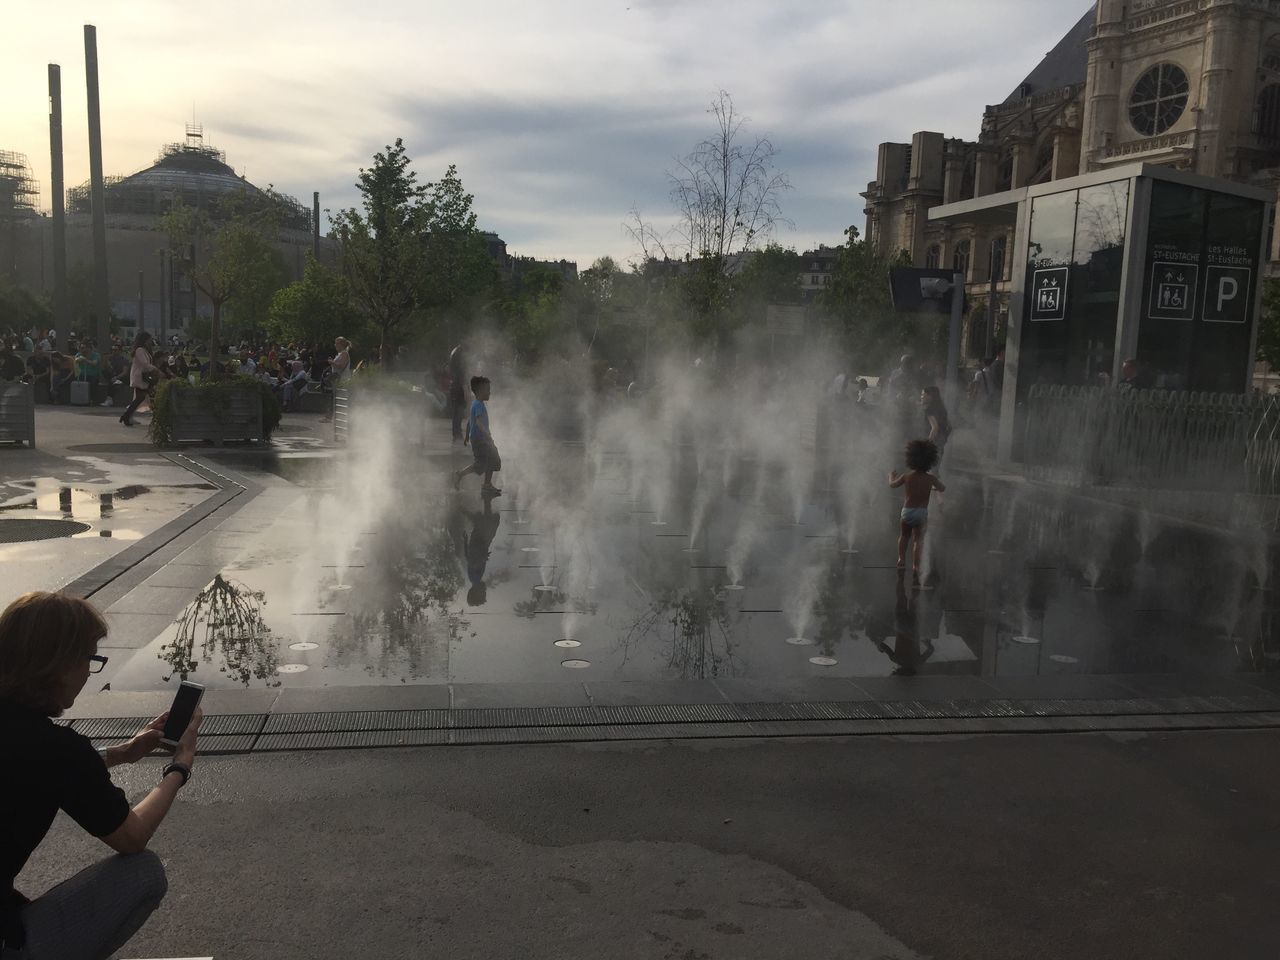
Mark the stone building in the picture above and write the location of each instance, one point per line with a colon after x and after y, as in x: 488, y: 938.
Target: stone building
x: 1191, y: 84
x: 144, y: 282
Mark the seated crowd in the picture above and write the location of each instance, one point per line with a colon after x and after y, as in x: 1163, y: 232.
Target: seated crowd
x: 291, y: 370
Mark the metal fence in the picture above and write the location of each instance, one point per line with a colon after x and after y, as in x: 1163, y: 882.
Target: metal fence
x: 1222, y: 442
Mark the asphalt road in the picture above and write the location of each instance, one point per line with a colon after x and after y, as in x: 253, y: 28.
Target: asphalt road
x: 986, y: 847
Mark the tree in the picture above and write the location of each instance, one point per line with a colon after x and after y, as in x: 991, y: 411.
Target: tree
x: 858, y: 301
x: 383, y: 247
x: 22, y: 310
x: 727, y: 198
x: 771, y: 275
x: 532, y: 311
x: 315, y: 309
x: 1269, y: 324
x: 456, y: 265
x: 228, y: 255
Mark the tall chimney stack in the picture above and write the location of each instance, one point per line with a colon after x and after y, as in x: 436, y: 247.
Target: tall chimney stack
x: 61, y: 321
x: 101, y: 296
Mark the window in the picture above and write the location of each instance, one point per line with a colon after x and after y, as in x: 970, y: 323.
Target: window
x: 1269, y: 112
x: 960, y: 259
x: 933, y: 257
x: 1158, y: 99
x: 998, y: 247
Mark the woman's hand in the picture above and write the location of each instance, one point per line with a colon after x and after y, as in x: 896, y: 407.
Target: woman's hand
x: 143, y: 743
x: 186, y: 750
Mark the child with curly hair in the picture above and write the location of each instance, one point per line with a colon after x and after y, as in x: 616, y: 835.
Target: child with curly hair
x: 919, y: 484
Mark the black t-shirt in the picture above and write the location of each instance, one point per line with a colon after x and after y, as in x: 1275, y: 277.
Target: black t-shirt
x: 48, y: 768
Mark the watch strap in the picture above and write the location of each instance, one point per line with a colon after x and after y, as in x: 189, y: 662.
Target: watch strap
x: 177, y: 767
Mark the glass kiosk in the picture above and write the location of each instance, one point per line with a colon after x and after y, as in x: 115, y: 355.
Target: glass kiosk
x: 1140, y: 261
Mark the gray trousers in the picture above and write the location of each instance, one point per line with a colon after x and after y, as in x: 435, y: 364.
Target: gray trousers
x: 92, y: 915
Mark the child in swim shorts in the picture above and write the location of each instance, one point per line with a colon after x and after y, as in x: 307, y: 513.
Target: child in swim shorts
x: 919, y: 484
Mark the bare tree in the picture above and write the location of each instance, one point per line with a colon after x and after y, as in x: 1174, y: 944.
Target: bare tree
x: 727, y: 191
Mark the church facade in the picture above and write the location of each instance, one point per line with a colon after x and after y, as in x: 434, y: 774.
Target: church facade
x: 1191, y: 84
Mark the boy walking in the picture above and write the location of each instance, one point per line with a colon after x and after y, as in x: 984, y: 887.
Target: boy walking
x: 487, y: 462
x: 921, y: 456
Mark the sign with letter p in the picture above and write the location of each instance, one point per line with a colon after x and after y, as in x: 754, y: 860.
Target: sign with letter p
x: 1227, y: 293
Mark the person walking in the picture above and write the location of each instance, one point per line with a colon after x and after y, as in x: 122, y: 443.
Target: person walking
x: 48, y: 649
x: 936, y: 418
x: 142, y: 375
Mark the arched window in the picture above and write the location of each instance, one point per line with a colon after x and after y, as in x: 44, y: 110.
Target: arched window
x: 960, y: 259
x: 933, y: 257
x: 1158, y: 99
x: 1269, y: 112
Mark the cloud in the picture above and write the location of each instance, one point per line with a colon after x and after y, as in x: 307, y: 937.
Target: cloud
x: 561, y: 116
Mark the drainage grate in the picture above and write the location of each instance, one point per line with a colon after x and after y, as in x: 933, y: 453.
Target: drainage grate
x: 28, y: 529
x: 242, y: 733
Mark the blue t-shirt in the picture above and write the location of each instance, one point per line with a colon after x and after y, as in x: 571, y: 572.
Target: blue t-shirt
x: 479, y: 414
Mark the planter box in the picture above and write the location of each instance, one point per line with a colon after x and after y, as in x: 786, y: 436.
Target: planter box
x: 17, y: 414
x: 195, y: 417
x: 411, y: 409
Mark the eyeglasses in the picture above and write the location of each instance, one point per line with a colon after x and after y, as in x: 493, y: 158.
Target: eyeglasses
x: 96, y: 663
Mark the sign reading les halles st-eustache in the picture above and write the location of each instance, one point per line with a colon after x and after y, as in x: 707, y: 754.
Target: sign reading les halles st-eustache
x: 1228, y: 287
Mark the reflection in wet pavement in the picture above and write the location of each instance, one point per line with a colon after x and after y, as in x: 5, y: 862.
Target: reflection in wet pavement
x: 432, y: 586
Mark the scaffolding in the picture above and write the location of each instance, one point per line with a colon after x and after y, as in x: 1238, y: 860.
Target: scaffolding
x: 19, y: 190
x: 192, y: 173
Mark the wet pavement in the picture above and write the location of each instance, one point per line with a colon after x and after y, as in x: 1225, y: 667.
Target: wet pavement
x: 759, y: 571
x: 445, y: 587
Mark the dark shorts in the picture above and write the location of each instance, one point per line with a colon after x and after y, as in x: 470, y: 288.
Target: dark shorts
x: 487, y: 459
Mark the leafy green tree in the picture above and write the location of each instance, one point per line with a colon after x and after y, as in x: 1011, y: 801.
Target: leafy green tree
x: 21, y: 309
x: 228, y: 255
x: 771, y: 275
x: 1269, y: 323
x: 533, y: 316
x: 315, y: 309
x: 383, y: 243
x: 859, y: 303
x: 456, y: 265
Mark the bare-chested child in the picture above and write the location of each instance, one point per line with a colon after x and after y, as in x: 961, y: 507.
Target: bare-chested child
x: 922, y: 455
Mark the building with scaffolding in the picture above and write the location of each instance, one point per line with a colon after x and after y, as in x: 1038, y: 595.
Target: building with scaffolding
x: 145, y: 285
x: 19, y: 207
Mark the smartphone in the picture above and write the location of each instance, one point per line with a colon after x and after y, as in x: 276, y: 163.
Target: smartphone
x: 184, y: 706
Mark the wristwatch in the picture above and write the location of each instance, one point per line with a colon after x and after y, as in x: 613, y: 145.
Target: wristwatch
x: 177, y: 767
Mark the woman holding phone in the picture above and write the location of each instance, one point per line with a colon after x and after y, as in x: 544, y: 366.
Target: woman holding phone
x: 48, y: 649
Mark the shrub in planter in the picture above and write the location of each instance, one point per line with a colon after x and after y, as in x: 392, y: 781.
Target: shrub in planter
x: 213, y: 396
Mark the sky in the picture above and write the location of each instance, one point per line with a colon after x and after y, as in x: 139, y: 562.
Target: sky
x: 561, y: 115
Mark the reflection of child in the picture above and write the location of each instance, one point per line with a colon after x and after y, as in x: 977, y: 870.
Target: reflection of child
x: 484, y: 527
x: 921, y: 455
x: 487, y: 462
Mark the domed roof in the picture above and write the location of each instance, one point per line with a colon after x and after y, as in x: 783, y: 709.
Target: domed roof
x: 190, y: 173
x: 193, y: 172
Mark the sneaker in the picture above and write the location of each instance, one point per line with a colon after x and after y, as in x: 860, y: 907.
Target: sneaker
x: 488, y: 490
x: 106, y: 403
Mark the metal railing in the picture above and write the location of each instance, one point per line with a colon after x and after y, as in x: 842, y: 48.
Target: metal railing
x: 1223, y: 442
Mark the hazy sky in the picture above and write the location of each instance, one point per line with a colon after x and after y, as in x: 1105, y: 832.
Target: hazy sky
x: 560, y: 114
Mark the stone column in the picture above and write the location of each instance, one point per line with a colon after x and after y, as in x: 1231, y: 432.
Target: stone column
x: 953, y: 173
x: 1024, y: 151
x: 988, y: 161
x: 1066, y: 154
x: 1102, y: 90
x: 1219, y: 47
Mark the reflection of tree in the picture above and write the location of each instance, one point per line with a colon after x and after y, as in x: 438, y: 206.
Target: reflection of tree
x: 700, y: 643
x: 544, y: 601
x: 225, y: 617
x: 836, y: 611
x: 404, y: 587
